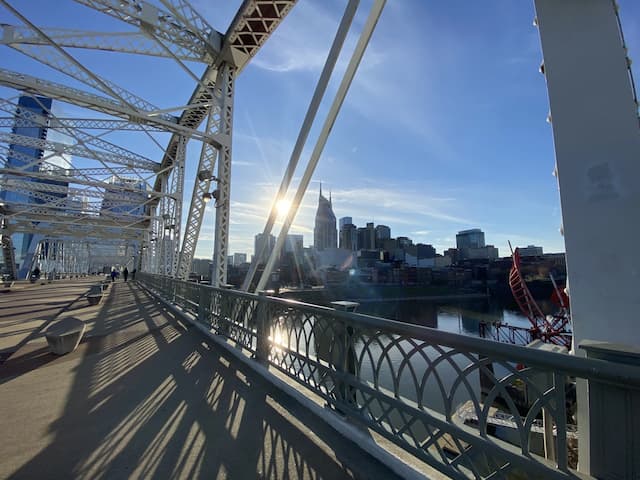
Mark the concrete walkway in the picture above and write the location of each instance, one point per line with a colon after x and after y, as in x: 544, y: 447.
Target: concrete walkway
x: 145, y: 396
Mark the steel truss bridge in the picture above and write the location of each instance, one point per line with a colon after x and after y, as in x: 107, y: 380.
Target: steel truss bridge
x: 123, y: 201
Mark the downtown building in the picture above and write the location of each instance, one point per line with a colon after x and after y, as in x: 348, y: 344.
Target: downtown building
x: 31, y: 121
x: 325, y: 233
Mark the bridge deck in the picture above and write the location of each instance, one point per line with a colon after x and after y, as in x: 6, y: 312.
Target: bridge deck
x: 146, y: 396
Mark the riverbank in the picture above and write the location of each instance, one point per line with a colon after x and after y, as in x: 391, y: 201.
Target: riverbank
x: 380, y: 293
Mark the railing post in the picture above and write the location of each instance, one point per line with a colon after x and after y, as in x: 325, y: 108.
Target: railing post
x: 614, y: 417
x: 263, y: 326
x: 346, y: 363
x: 202, y: 309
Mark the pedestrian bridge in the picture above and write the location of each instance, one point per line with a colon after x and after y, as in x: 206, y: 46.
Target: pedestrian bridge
x: 178, y: 379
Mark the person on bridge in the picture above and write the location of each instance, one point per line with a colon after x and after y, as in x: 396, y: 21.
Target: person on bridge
x: 114, y: 274
x: 125, y: 273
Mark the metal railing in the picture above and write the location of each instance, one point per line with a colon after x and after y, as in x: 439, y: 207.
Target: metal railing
x: 469, y: 407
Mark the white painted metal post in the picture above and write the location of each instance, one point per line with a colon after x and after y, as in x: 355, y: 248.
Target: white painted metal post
x: 223, y: 207
x: 597, y: 144
x: 363, y: 41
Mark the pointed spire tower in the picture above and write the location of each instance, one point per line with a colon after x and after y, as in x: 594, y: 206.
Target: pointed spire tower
x: 325, y: 233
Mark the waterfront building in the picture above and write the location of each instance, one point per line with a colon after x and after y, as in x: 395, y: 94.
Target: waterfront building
x: 383, y: 233
x: 31, y: 120
x: 294, y: 243
x: 367, y: 237
x: 348, y: 235
x: 325, y: 233
x: 201, y: 267
x: 239, y: 259
x: 263, y: 246
x: 473, y: 238
x: 530, y: 251
x: 124, y: 196
x: 345, y: 221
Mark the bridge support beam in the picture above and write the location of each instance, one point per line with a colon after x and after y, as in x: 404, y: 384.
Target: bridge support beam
x: 597, y: 143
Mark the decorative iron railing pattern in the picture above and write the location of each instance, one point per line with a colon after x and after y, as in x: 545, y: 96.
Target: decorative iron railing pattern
x: 431, y: 392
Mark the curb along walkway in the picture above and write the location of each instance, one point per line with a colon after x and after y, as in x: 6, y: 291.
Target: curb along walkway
x: 144, y: 396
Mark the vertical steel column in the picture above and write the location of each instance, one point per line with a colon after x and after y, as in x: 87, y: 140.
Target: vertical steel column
x: 177, y: 192
x: 164, y: 231
x: 596, y: 137
x: 202, y: 184
x: 221, y: 243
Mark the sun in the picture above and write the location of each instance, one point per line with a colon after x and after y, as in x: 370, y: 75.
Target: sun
x: 282, y: 206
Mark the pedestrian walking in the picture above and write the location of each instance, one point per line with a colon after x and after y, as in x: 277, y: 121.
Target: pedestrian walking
x: 125, y: 273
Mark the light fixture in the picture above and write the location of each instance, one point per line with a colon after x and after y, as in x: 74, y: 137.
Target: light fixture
x: 205, y: 175
x: 206, y: 197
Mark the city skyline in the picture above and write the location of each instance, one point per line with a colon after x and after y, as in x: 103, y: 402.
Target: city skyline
x: 443, y: 129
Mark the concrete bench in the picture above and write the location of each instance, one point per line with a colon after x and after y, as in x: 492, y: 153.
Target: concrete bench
x: 65, y: 335
x: 95, y: 294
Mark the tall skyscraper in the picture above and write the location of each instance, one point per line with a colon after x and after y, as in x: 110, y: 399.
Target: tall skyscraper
x: 325, y: 234
x: 264, y: 245
x: 367, y: 237
x: 124, y: 196
x: 31, y: 120
x: 382, y: 233
x: 348, y: 234
x: 473, y: 238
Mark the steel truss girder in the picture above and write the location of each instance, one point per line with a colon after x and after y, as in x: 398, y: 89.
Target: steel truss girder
x: 221, y: 241
x: 122, y: 157
x: 59, y: 59
x: 124, y: 42
x: 202, y: 185
x: 251, y: 27
x: 98, y: 103
x: 82, y: 123
x: 164, y: 25
x: 34, y: 213
x: 52, y: 229
x: 46, y: 192
x: 97, y: 184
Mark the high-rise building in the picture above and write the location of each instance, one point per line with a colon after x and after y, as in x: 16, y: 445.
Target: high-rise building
x: 345, y: 221
x: 239, y: 259
x: 263, y: 246
x: 382, y: 233
x: 124, y: 196
x: 348, y: 234
x: 31, y: 120
x: 367, y: 237
x: 294, y: 243
x: 325, y: 234
x: 473, y: 238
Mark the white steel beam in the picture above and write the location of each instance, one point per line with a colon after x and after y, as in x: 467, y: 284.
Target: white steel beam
x: 123, y: 157
x: 321, y: 87
x: 122, y: 42
x: 98, y: 103
x: 354, y: 62
x: 223, y: 205
x: 594, y: 116
x: 162, y: 24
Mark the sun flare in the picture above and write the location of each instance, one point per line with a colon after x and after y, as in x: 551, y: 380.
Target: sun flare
x: 282, y: 206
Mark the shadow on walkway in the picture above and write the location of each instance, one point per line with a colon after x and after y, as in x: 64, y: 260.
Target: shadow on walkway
x: 146, y: 397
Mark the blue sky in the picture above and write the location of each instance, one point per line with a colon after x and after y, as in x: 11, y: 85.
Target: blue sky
x: 443, y: 129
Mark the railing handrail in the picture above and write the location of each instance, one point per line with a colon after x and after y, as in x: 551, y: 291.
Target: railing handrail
x: 589, y: 368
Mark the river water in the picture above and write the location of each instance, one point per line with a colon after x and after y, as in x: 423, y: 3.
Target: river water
x: 458, y: 316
